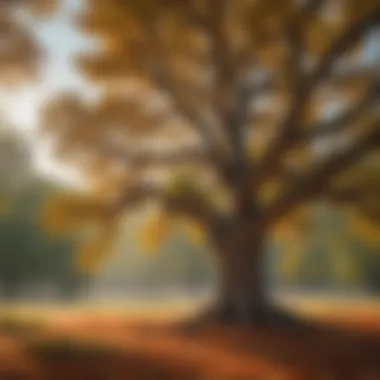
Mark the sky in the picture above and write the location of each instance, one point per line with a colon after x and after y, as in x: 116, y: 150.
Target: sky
x: 60, y: 41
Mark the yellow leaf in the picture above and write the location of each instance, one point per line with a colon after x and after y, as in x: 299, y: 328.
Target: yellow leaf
x: 270, y: 191
x: 299, y: 157
x: 272, y: 55
x: 319, y: 35
x: 364, y: 229
x: 66, y: 213
x: 290, y: 228
x: 91, y: 255
x: 256, y: 148
x: 342, y: 265
x: 194, y: 232
x: 290, y: 258
x: 153, y: 234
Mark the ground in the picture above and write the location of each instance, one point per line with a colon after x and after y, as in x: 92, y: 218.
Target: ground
x: 110, y: 344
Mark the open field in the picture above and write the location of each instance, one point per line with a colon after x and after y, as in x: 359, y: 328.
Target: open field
x: 114, y: 343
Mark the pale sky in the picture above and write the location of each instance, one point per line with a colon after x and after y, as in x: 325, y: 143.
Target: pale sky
x: 60, y: 41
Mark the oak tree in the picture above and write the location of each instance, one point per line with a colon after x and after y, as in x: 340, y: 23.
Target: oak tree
x: 233, y: 114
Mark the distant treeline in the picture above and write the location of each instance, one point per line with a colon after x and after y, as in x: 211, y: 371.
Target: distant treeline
x: 34, y: 263
x: 31, y: 261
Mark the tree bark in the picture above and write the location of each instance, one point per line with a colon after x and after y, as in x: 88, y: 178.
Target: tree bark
x: 243, y: 294
x: 243, y: 297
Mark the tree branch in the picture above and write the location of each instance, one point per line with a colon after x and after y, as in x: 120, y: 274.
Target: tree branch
x: 354, y: 33
x: 194, y: 205
x: 286, y: 137
x: 343, y: 195
x: 220, y: 52
x: 194, y: 17
x: 344, y: 120
x: 224, y: 74
x: 317, y: 182
x: 162, y: 76
x: 237, y: 123
x: 245, y: 95
x: 289, y: 130
x: 164, y: 80
x: 134, y: 194
x: 358, y: 198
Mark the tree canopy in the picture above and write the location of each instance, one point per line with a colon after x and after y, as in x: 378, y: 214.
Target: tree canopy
x: 225, y: 110
x: 20, y: 53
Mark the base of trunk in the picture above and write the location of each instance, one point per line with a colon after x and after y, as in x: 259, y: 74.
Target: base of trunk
x: 263, y: 316
x: 243, y: 297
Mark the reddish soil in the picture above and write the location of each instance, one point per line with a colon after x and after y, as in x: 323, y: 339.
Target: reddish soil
x: 156, y: 351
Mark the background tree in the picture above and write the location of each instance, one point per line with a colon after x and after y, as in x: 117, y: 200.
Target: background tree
x: 31, y: 258
x: 28, y: 256
x: 15, y: 157
x: 234, y: 114
x: 338, y: 253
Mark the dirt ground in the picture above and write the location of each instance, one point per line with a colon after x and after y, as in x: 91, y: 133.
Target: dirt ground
x: 105, y: 345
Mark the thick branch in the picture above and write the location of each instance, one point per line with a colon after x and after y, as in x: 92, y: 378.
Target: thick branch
x: 317, y: 182
x: 289, y: 129
x: 161, y: 74
x: 343, y: 195
x: 352, y: 35
x: 246, y: 93
x: 286, y: 137
x: 193, y: 206
x: 224, y: 75
x: 357, y: 198
x: 133, y: 195
x: 164, y: 80
x: 220, y: 53
x: 346, y: 119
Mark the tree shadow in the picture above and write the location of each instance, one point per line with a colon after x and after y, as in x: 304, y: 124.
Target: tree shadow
x: 286, y: 341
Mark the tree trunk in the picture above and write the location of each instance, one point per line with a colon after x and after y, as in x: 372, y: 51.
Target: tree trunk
x: 243, y: 297
x: 243, y: 294
x: 242, y: 290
